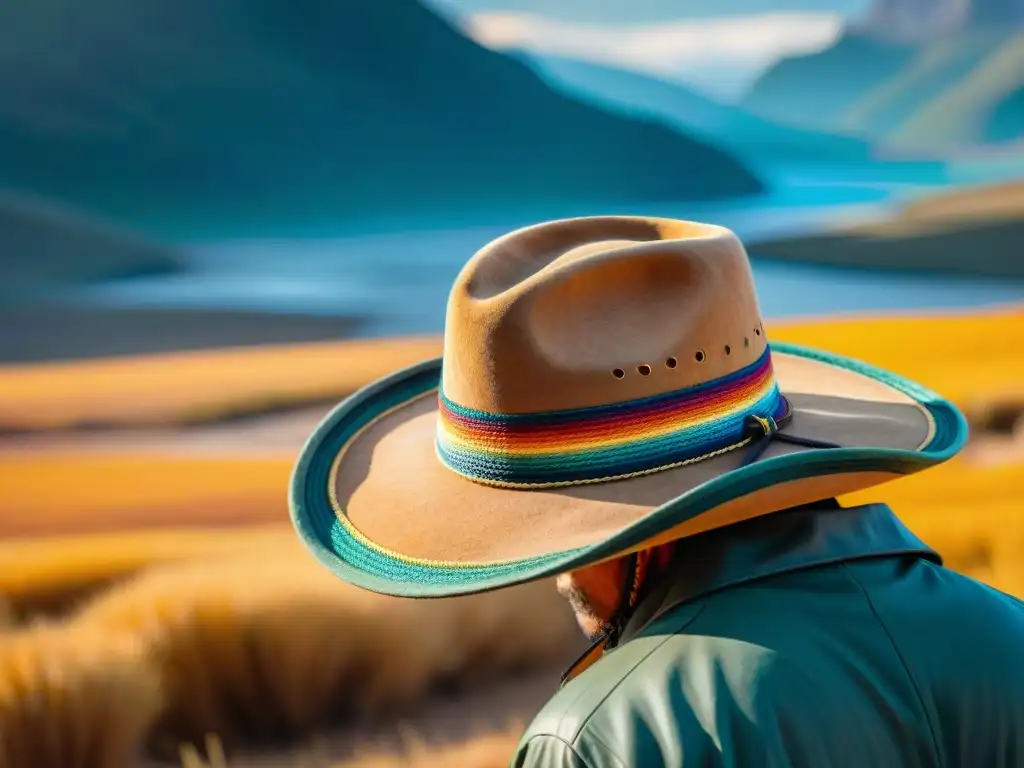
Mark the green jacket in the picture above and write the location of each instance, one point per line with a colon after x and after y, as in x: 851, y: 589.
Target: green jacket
x: 823, y: 638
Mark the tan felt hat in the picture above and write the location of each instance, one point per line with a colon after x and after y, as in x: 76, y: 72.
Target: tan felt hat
x: 607, y: 383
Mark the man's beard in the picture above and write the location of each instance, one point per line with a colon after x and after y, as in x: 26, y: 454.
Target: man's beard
x: 592, y: 626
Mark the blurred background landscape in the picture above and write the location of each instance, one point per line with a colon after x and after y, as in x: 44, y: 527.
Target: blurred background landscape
x: 217, y: 219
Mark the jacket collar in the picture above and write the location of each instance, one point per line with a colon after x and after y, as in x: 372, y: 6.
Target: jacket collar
x: 782, y: 542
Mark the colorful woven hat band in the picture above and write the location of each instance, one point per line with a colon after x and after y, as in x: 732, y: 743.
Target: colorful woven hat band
x: 613, y: 442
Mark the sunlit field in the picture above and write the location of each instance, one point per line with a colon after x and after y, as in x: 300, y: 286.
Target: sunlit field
x: 154, y: 597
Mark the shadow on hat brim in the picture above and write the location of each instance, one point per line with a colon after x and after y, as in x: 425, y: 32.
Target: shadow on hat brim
x: 784, y: 477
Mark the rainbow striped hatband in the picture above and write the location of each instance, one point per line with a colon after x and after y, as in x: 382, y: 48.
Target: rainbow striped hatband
x: 612, y: 442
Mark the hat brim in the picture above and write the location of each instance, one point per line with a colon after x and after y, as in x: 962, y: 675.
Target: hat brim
x: 372, y: 502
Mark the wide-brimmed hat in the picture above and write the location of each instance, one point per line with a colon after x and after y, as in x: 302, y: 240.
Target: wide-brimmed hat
x: 606, y: 384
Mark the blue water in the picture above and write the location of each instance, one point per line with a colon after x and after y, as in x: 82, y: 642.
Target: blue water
x: 399, y: 282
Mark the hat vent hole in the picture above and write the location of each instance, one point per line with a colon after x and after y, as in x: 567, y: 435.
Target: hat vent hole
x: 746, y: 341
x: 728, y: 349
x: 644, y: 370
x: 671, y: 363
x: 757, y: 331
x: 618, y: 373
x: 700, y: 357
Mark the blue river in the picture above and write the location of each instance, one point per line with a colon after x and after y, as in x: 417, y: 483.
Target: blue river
x: 398, y: 282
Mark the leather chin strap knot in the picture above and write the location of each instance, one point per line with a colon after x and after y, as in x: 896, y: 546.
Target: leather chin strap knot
x: 762, y: 430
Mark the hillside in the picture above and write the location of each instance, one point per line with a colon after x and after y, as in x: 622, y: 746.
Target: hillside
x: 749, y: 137
x: 247, y: 114
x: 815, y: 89
x: 984, y: 105
x: 971, y: 231
x: 925, y: 75
x: 42, y: 248
x: 1006, y: 120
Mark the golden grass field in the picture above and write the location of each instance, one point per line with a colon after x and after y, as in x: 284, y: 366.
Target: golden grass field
x: 487, y: 750
x: 192, y: 386
x: 252, y: 650
x: 151, y: 596
x: 967, y: 357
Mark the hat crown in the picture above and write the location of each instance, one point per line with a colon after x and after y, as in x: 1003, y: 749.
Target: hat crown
x: 595, y: 311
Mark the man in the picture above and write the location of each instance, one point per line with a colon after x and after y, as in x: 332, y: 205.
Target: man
x: 819, y: 636
x: 608, y: 408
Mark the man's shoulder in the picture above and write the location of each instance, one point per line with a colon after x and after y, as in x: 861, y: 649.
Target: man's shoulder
x: 744, y: 666
x: 570, y: 714
x: 780, y: 662
x: 573, y: 729
x: 664, y: 695
x: 637, y: 700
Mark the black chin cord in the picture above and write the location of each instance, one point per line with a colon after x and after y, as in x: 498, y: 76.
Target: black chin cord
x: 629, y: 585
x: 609, y: 638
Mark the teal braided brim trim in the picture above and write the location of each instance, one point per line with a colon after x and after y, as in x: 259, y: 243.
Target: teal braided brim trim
x: 364, y: 565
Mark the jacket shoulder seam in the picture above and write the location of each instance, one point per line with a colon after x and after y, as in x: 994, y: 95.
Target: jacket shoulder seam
x: 576, y: 755
x: 903, y: 664
x: 611, y: 752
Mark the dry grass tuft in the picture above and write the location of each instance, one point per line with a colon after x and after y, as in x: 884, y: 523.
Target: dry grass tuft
x: 74, y: 699
x: 8, y: 618
x: 272, y: 647
x: 487, y: 750
x: 190, y: 757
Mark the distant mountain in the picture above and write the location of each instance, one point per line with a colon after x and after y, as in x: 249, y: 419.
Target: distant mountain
x: 1005, y: 122
x: 248, y: 113
x: 752, y: 138
x: 42, y: 248
x: 921, y: 21
x: 915, y: 72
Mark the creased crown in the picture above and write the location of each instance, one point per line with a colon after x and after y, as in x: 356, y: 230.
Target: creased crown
x: 592, y: 311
